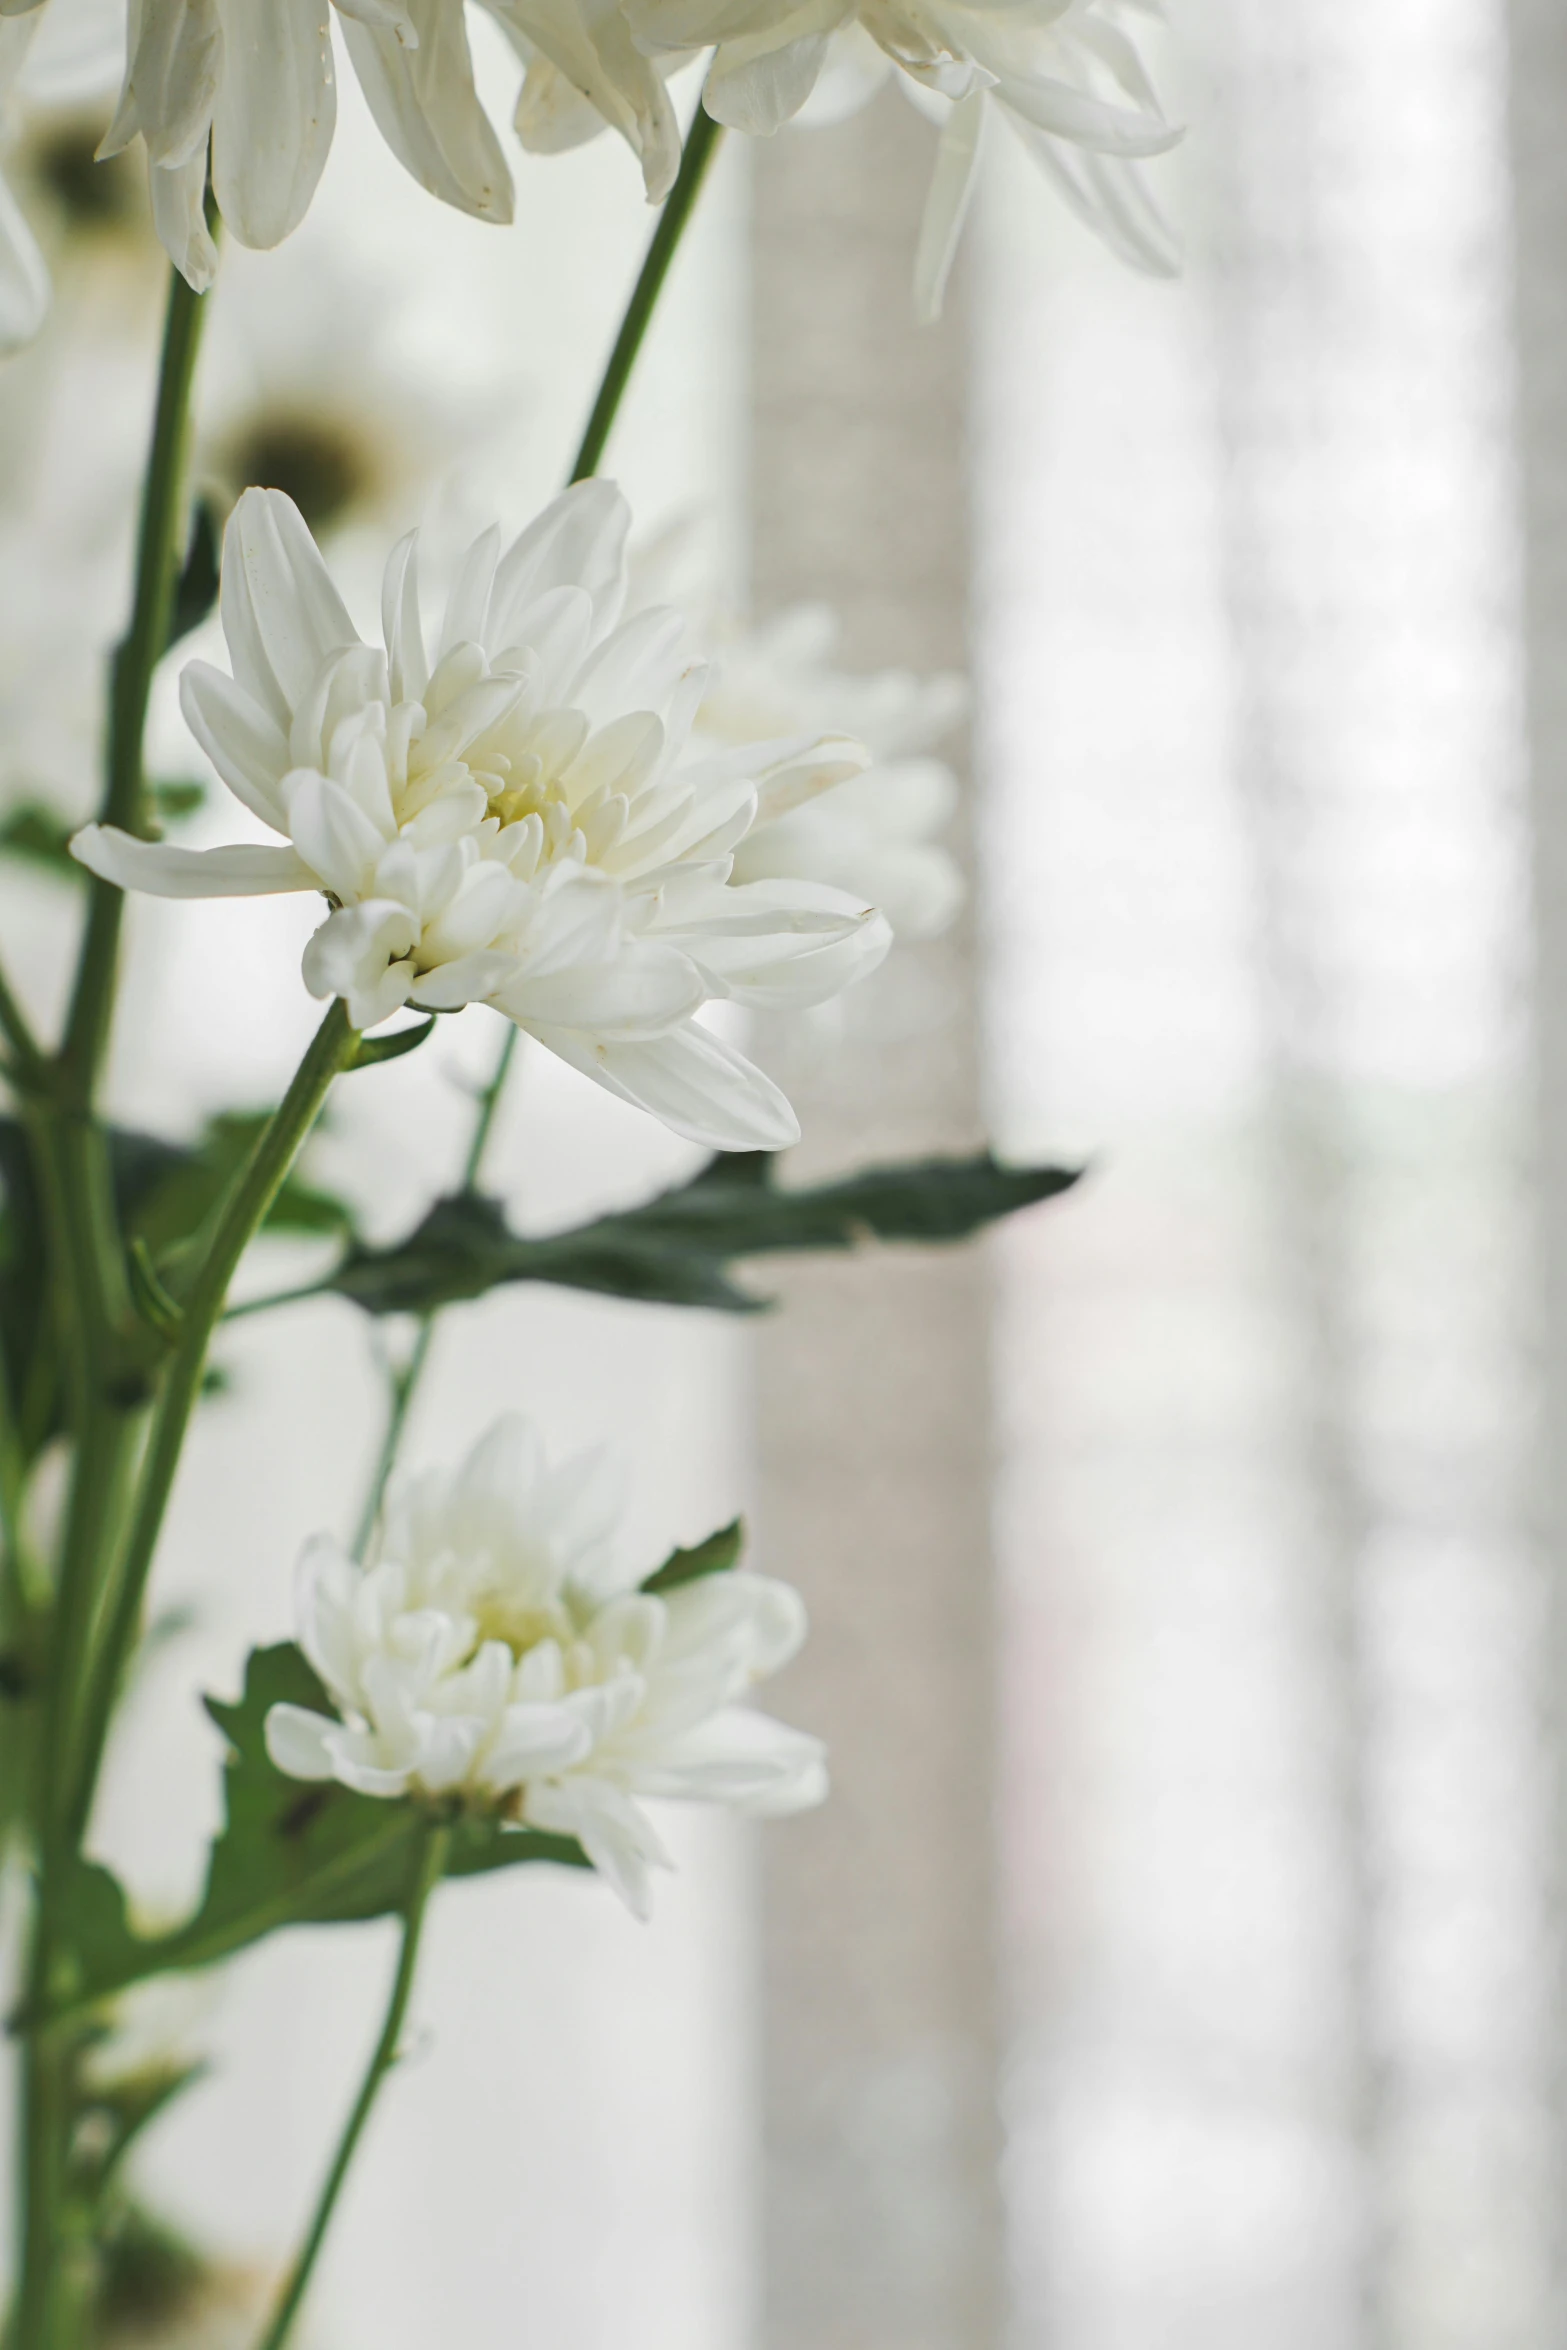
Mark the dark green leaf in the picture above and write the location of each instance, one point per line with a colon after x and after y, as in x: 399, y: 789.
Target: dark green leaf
x: 372, y: 1049
x: 196, y: 590
x: 176, y: 796
x: 677, y: 1249
x: 716, y: 1556
x: 34, y: 832
x: 165, y: 1189
x: 291, y: 1852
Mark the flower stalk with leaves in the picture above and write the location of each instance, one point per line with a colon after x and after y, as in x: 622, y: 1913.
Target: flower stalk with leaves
x: 520, y: 813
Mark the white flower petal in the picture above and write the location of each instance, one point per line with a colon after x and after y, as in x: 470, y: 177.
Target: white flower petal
x: 951, y: 187
x: 427, y: 109
x: 281, y: 614
x: 298, y: 1742
x: 692, y: 1080
x: 244, y: 743
x: 275, y: 112
x: 179, y: 196
x: 243, y: 871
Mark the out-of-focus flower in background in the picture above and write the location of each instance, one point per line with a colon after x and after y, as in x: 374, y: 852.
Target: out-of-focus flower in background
x: 496, y: 1650
x: 517, y: 823
x: 875, y: 834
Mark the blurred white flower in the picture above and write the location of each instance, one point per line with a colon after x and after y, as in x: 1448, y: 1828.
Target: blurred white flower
x: 24, y: 278
x: 1066, y: 74
x: 493, y: 1651
x: 873, y: 834
x: 519, y: 822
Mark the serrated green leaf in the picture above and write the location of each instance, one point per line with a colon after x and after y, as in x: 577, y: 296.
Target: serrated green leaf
x: 677, y: 1249
x: 291, y: 1853
x: 716, y: 1556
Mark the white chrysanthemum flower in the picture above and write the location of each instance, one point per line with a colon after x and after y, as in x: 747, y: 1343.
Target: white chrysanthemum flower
x: 1066, y: 74
x: 876, y: 834
x: 493, y: 1653
x: 518, y: 821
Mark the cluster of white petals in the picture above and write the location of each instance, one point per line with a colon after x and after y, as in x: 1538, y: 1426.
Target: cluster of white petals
x: 1066, y: 74
x: 877, y: 834
x: 518, y: 818
x: 492, y: 1652
x: 252, y: 82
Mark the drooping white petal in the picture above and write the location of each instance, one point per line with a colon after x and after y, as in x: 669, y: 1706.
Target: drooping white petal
x: 645, y: 991
x: 172, y: 80
x: 692, y: 1080
x: 427, y: 109
x: 951, y: 187
x: 179, y: 216
x: 275, y: 111
x: 757, y: 85
x: 161, y: 871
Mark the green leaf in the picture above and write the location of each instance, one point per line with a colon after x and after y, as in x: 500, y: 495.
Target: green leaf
x: 176, y: 796
x: 166, y: 1190
x: 36, y: 833
x: 291, y: 1853
x: 677, y: 1249
x: 372, y: 1049
x: 716, y: 1556
x: 196, y: 590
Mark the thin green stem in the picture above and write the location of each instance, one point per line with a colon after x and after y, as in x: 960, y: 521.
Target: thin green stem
x: 432, y: 1863
x: 135, y: 659
x: 405, y: 1384
x: 701, y: 146
x: 257, y: 1186
x: 489, y: 1102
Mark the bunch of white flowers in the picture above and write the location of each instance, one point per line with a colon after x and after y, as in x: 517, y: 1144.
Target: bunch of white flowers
x: 515, y: 819
x: 248, y: 88
x: 493, y: 1652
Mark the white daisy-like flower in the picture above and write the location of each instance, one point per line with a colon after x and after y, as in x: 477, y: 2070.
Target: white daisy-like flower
x: 493, y: 1652
x: 517, y: 820
x: 1066, y: 74
x: 876, y: 834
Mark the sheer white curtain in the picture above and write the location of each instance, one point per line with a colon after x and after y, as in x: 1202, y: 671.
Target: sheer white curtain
x: 1278, y: 1825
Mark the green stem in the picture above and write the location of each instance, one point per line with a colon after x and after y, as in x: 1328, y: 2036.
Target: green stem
x: 15, y: 1029
x: 701, y: 145
x: 489, y: 1103
x: 384, y: 2056
x: 257, y: 1186
x: 135, y: 659
x: 405, y: 1385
